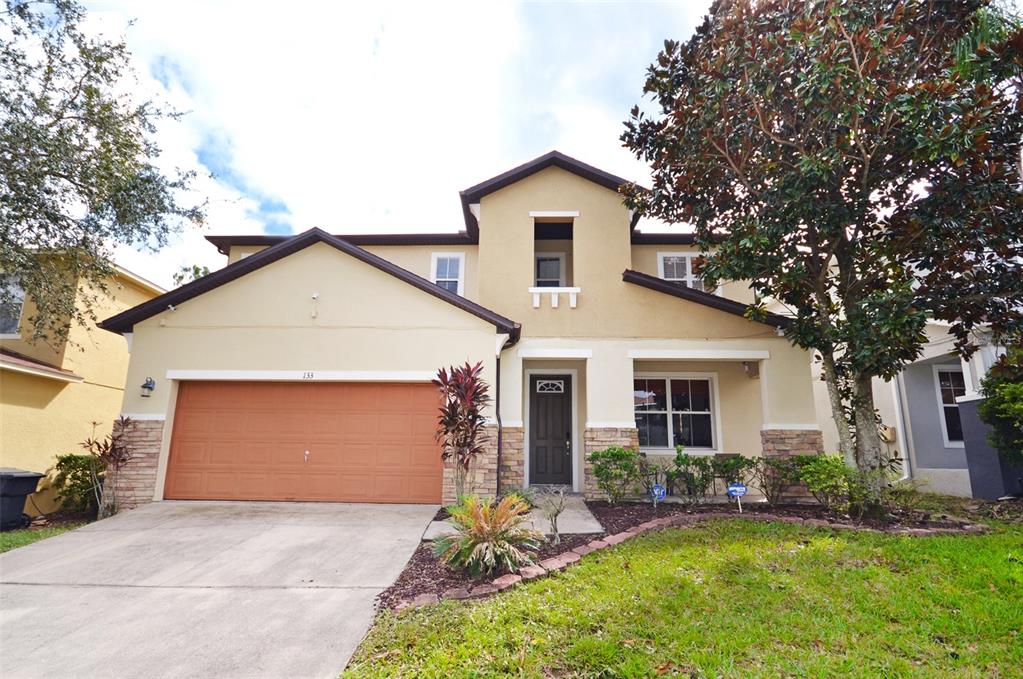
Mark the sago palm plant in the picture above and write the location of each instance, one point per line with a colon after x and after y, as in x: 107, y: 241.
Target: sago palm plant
x: 491, y: 536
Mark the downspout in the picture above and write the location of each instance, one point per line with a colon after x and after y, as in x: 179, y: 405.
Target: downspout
x: 500, y: 435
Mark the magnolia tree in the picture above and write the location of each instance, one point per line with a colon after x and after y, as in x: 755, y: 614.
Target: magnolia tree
x: 460, y: 424
x: 856, y: 162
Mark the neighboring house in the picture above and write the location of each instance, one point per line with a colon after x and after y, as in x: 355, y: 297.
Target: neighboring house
x: 301, y: 371
x: 920, y: 413
x: 51, y: 394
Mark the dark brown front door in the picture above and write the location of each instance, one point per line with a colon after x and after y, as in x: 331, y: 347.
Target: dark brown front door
x: 550, y: 429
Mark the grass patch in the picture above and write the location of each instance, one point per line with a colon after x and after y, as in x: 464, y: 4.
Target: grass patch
x: 13, y: 539
x: 734, y: 598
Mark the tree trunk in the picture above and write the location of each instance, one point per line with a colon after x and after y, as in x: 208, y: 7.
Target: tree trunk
x: 869, y: 458
x: 845, y: 439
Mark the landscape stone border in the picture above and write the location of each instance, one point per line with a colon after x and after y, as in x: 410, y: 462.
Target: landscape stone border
x: 562, y: 561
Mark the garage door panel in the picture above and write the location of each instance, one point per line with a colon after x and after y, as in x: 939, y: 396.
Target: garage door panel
x: 367, y: 442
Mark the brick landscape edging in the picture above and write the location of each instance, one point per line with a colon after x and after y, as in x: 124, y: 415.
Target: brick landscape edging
x: 562, y: 561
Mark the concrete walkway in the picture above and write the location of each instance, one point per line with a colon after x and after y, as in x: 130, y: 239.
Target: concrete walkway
x: 576, y: 519
x: 203, y: 589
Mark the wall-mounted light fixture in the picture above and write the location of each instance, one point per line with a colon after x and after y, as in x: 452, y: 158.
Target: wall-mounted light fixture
x: 148, y: 386
x: 752, y: 369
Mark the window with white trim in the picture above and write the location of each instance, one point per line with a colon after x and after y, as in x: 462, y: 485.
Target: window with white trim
x: 448, y: 271
x: 550, y: 270
x: 672, y: 411
x: 950, y: 385
x: 12, y: 299
x: 677, y: 267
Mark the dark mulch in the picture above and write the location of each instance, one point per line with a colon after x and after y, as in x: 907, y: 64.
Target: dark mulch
x: 425, y: 573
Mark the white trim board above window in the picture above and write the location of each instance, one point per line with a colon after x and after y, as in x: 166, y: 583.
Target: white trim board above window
x: 447, y: 269
x: 678, y: 268
x: 12, y: 303
x: 949, y: 385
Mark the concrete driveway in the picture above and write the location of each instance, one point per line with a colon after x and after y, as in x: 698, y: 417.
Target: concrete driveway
x: 203, y: 589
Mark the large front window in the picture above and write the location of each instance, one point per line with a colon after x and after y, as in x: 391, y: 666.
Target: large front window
x: 672, y: 411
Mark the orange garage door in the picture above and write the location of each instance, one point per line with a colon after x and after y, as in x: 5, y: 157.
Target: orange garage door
x: 324, y: 441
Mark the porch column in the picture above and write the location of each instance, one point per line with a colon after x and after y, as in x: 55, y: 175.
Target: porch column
x: 789, y: 425
x: 511, y: 471
x: 610, y: 419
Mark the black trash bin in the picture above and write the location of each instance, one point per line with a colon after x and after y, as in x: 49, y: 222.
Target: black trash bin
x: 15, y: 486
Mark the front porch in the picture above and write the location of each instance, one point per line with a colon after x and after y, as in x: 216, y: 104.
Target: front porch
x: 562, y: 399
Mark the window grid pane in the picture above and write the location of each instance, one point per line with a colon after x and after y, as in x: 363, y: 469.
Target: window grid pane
x: 689, y: 421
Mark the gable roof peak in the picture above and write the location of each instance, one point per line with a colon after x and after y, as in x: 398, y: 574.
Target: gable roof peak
x: 553, y: 158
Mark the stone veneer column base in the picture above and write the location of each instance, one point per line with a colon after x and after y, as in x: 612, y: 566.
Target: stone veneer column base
x: 599, y: 439
x: 513, y: 458
x: 789, y: 442
x: 136, y: 483
x: 482, y: 477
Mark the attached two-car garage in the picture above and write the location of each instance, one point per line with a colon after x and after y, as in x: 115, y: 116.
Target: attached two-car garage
x: 314, y: 441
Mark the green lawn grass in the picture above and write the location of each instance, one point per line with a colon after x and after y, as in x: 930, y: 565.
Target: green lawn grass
x: 19, y: 538
x: 738, y: 599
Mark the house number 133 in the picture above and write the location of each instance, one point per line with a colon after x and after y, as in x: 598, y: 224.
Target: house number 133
x: 308, y: 376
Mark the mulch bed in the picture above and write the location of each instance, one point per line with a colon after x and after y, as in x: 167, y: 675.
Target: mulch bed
x: 425, y: 574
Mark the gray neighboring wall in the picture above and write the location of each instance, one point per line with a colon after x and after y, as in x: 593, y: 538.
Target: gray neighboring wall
x: 924, y: 420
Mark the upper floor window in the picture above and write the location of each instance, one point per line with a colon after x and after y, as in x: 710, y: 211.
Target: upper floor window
x: 12, y: 299
x: 678, y: 267
x: 950, y: 385
x: 448, y: 271
x: 550, y: 270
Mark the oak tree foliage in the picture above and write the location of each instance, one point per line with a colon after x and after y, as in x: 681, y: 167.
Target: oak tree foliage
x: 78, y: 165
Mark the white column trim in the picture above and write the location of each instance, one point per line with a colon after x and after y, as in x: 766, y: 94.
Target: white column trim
x: 700, y: 354
x: 145, y: 416
x: 526, y: 352
x: 304, y: 375
x: 611, y: 425
x: 808, y: 426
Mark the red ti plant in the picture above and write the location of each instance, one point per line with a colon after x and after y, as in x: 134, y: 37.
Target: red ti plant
x: 460, y: 421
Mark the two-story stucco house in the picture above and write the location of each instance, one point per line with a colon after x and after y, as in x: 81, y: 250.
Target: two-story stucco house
x: 51, y: 393
x: 301, y: 371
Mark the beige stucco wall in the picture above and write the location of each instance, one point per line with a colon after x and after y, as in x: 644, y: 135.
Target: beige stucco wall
x: 241, y: 251
x: 419, y: 259
x: 644, y: 259
x: 364, y: 319
x: 42, y: 418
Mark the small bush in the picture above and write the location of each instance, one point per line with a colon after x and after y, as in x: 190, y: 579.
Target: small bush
x: 654, y: 471
x: 771, y: 475
x: 1002, y: 407
x: 902, y: 496
x: 491, y: 536
x: 616, y: 470
x: 732, y: 468
x: 834, y: 484
x: 78, y: 483
x: 693, y: 475
x: 527, y: 495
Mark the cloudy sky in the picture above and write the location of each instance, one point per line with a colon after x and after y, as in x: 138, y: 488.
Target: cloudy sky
x: 370, y: 117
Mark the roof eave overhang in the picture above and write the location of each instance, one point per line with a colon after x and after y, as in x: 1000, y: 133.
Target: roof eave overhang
x: 125, y: 321
x: 699, y: 297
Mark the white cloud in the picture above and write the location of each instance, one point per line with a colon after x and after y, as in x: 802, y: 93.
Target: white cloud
x: 369, y: 117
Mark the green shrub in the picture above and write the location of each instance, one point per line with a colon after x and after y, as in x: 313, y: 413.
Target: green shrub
x: 902, y: 496
x: 77, y: 482
x: 732, y: 468
x: 654, y: 471
x: 1002, y: 407
x: 616, y: 470
x: 771, y: 475
x: 834, y: 484
x: 490, y: 536
x: 693, y: 475
x: 527, y: 495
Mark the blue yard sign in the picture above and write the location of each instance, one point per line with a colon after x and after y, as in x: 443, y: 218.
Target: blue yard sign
x: 658, y: 493
x: 737, y: 490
